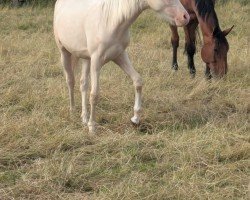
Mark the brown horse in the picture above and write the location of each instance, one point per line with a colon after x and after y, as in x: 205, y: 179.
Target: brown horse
x: 215, y: 45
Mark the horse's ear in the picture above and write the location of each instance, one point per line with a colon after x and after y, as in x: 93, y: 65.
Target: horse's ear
x: 227, y: 31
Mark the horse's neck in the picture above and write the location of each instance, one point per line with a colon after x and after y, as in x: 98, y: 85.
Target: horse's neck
x: 126, y: 22
x: 119, y: 15
x: 208, y: 25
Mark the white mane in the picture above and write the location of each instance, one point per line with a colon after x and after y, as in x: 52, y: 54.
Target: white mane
x: 115, y: 11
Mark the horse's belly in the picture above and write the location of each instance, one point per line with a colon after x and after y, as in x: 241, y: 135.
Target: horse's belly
x: 73, y: 40
x: 74, y: 44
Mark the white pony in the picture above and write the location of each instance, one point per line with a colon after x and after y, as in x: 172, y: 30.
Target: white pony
x: 97, y: 32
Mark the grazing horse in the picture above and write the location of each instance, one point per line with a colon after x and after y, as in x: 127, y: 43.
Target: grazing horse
x: 215, y: 45
x: 97, y: 32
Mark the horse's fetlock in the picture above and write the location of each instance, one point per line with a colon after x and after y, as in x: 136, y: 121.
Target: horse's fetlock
x: 92, y: 127
x: 138, y: 82
x: 138, y: 88
x: 137, y: 110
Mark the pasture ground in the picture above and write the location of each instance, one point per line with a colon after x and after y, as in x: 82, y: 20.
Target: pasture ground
x: 193, y: 143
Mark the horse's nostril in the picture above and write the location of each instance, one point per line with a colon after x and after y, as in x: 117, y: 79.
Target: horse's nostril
x: 186, y: 17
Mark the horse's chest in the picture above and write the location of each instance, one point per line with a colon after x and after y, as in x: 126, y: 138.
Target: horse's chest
x: 114, y: 46
x: 114, y: 50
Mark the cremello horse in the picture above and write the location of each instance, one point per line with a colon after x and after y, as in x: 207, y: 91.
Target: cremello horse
x: 97, y: 32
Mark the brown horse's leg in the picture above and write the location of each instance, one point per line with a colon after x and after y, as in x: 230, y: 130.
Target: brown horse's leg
x: 190, y: 37
x: 175, y: 45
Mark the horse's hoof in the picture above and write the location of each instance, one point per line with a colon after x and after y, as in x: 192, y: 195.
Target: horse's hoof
x: 85, y: 119
x: 208, y: 76
x: 175, y: 66
x: 135, y: 121
x: 92, y: 128
x: 192, y: 75
x: 192, y: 72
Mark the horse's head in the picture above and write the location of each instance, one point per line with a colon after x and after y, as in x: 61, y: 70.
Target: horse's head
x: 172, y: 10
x: 214, y: 53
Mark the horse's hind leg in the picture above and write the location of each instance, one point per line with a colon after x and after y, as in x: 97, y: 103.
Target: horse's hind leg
x: 67, y: 63
x: 175, y: 45
x: 190, y: 37
x: 84, y: 88
x: 124, y: 62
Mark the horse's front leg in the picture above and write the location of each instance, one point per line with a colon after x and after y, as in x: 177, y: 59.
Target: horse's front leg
x: 190, y: 37
x: 95, y: 68
x: 84, y: 83
x: 125, y: 64
x: 175, y: 45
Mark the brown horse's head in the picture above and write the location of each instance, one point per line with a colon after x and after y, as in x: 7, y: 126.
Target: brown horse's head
x: 214, y: 53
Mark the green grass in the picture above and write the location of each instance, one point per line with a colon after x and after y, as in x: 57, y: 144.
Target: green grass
x: 193, y: 142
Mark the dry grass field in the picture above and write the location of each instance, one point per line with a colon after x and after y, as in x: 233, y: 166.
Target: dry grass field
x: 194, y: 142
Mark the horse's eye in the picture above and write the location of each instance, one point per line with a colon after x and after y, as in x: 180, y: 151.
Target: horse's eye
x: 216, y: 50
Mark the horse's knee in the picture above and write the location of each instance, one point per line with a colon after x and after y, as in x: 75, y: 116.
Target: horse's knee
x: 83, y: 85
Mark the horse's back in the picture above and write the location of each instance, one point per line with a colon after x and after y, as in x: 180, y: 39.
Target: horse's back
x: 82, y: 6
x: 72, y: 10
